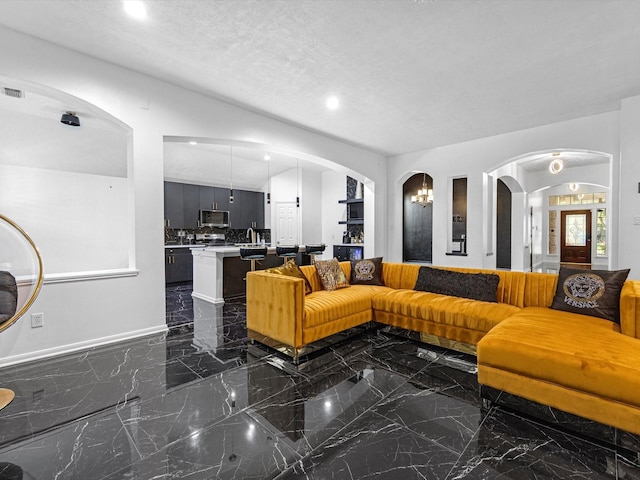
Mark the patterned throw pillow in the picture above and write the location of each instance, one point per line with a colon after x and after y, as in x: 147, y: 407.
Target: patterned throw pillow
x: 590, y: 292
x: 476, y: 286
x: 331, y: 275
x: 290, y: 269
x: 367, y: 271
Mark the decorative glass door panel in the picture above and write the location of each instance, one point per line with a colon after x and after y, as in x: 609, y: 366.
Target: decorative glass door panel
x: 576, y: 236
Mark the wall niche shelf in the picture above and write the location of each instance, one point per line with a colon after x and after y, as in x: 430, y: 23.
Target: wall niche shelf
x: 352, y: 221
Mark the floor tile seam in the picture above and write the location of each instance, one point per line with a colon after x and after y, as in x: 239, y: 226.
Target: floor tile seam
x: 20, y: 442
x: 542, y: 424
x: 455, y: 467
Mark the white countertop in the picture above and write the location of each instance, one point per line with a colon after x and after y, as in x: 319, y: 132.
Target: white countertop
x: 185, y: 246
x: 233, y: 250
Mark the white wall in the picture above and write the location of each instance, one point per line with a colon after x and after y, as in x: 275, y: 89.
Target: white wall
x: 334, y: 188
x: 472, y: 159
x: 78, y: 314
x: 79, y: 221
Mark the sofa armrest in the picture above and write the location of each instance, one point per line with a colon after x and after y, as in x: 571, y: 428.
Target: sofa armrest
x: 630, y: 308
x: 275, y: 306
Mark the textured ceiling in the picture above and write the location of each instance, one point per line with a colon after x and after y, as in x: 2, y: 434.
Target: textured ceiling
x: 410, y: 74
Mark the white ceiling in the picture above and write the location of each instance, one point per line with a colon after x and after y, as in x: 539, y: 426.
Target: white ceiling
x: 33, y: 137
x: 220, y: 164
x: 410, y: 74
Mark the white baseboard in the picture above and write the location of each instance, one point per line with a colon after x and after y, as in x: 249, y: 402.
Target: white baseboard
x: 206, y: 298
x: 74, y: 347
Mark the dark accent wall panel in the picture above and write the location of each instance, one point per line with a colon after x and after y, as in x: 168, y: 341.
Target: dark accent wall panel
x: 503, y: 226
x: 417, y: 223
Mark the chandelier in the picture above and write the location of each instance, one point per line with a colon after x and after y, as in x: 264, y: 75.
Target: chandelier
x: 425, y: 194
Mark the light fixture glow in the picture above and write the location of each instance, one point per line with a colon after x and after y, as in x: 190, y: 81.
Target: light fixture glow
x: 135, y: 9
x: 425, y: 194
x: 267, y: 157
x: 193, y: 143
x: 573, y: 187
x: 556, y: 166
x: 333, y: 103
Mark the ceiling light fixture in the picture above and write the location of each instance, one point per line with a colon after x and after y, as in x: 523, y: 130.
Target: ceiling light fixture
x: 230, y: 173
x: 70, y: 118
x: 556, y: 166
x: 192, y: 142
x: 573, y: 187
x: 425, y: 194
x: 267, y: 157
x: 333, y: 103
x: 135, y: 9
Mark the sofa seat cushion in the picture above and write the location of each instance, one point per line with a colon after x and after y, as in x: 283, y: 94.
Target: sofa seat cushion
x: 452, y: 311
x: 580, y: 352
x: 323, y: 306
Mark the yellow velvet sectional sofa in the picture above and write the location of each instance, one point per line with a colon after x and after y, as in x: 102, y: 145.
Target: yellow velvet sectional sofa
x: 579, y: 364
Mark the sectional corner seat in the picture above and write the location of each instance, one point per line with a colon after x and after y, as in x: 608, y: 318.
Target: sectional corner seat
x: 579, y: 364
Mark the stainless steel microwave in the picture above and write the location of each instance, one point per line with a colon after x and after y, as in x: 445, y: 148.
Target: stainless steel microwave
x: 214, y: 218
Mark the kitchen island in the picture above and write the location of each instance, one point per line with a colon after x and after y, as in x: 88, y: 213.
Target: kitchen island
x: 219, y: 272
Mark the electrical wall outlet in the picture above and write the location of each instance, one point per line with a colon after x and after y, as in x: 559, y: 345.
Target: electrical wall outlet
x: 37, y: 320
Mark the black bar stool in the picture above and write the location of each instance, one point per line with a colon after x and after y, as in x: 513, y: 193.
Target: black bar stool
x: 314, y: 249
x: 253, y: 254
x: 287, y: 252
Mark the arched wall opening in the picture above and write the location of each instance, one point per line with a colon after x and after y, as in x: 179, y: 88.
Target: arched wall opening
x: 417, y: 221
x: 319, y: 183
x: 534, y: 186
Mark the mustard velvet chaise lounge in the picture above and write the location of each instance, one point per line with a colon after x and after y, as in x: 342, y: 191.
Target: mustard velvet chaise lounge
x: 576, y: 363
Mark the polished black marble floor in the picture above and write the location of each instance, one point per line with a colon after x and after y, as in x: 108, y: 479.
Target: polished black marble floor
x: 200, y: 402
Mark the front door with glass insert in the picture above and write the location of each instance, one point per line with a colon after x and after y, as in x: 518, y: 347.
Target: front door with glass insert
x: 576, y: 236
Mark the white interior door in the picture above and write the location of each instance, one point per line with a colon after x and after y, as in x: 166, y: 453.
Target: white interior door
x: 287, y: 224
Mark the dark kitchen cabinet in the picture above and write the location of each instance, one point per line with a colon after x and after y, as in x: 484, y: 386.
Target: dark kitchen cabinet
x: 178, y: 265
x: 173, y: 205
x: 214, y: 198
x: 247, y: 210
x: 191, y: 205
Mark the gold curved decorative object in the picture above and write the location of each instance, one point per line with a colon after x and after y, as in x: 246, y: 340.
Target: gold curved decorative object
x: 39, y: 281
x: 6, y: 395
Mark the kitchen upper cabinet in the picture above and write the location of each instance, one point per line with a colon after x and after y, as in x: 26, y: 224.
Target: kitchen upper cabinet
x: 247, y: 210
x: 191, y: 205
x: 173, y: 205
x: 214, y: 198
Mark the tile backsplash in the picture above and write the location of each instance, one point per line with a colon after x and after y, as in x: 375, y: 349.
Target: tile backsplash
x: 232, y: 235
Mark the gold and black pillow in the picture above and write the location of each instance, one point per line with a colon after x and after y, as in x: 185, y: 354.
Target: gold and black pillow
x: 290, y: 269
x: 367, y: 271
x: 331, y: 275
x: 590, y: 292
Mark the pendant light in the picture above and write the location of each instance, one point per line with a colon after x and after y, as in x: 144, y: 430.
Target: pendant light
x: 298, y: 182
x: 267, y: 157
x: 230, y: 173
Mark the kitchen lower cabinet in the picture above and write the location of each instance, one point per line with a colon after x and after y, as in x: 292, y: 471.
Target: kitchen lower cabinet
x: 178, y: 265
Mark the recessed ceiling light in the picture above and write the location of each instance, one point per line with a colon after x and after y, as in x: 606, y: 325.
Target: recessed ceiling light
x: 267, y: 157
x: 193, y: 143
x: 333, y: 103
x: 135, y: 9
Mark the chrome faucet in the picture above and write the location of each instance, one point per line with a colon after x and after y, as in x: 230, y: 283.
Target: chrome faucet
x: 251, y: 237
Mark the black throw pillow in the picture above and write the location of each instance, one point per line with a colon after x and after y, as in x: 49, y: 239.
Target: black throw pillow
x: 8, y: 294
x: 590, y: 292
x: 367, y: 271
x: 475, y: 286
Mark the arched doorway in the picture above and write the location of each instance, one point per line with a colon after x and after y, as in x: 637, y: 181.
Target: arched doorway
x: 417, y: 222
x: 503, y: 226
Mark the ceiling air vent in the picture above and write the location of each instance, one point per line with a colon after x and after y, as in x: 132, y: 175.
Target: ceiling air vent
x: 13, y: 92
